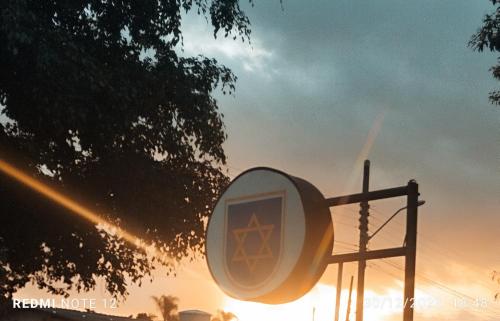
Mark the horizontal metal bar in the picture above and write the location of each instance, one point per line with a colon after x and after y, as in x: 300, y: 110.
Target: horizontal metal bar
x: 369, y: 255
x: 370, y: 196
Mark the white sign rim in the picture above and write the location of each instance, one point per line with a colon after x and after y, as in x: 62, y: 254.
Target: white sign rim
x: 293, y: 235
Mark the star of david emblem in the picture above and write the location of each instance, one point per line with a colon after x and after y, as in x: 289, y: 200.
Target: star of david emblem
x: 264, y: 252
x: 253, y: 239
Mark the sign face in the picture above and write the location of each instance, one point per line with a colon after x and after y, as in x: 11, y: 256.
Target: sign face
x: 253, y: 238
x: 268, y: 236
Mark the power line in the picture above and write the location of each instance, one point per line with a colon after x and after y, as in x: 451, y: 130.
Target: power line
x: 346, y: 243
x: 376, y: 215
x: 379, y: 268
x: 442, y: 287
x: 439, y: 252
x: 423, y: 242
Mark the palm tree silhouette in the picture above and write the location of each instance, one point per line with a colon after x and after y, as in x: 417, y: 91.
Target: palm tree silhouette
x: 167, y: 304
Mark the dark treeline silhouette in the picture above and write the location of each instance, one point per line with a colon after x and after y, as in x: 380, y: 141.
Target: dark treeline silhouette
x: 137, y: 138
x: 488, y: 37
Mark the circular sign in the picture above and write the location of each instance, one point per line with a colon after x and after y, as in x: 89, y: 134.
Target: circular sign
x: 268, y: 237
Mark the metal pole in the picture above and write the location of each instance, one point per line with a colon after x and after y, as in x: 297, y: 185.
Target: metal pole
x: 363, y: 240
x: 339, y: 289
x: 411, y: 250
x: 372, y: 196
x: 349, y: 302
x: 368, y: 255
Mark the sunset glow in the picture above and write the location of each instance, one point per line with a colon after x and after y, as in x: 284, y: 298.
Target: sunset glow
x: 320, y: 301
x: 278, y: 151
x: 379, y: 306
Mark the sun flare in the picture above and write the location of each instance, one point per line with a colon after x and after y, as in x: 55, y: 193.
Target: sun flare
x: 317, y: 305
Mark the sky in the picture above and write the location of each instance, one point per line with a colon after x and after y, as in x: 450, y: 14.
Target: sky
x: 323, y: 86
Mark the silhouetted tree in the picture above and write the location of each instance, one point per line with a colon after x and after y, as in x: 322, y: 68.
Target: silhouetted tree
x: 96, y: 101
x: 488, y: 37
x: 224, y: 316
x: 167, y: 305
x: 145, y: 316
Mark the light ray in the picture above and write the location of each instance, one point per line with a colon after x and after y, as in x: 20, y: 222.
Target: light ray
x: 67, y: 202
x: 364, y: 152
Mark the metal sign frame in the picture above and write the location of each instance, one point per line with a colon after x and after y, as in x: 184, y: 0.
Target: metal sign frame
x: 318, y: 237
x: 408, y: 250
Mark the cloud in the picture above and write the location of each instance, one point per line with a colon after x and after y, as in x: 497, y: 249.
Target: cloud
x: 334, y: 66
x: 251, y: 57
